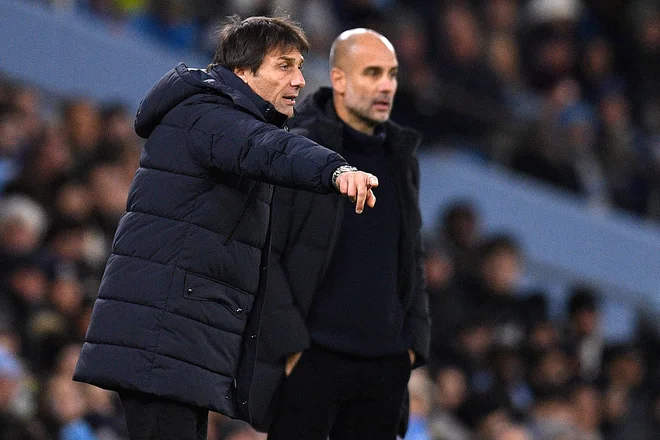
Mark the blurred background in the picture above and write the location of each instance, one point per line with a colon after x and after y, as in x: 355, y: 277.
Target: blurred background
x: 540, y: 197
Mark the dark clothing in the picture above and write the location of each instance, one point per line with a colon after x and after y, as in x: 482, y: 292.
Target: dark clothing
x: 306, y: 231
x: 367, y: 244
x: 154, y: 418
x: 12, y: 427
x: 180, y: 302
x: 448, y: 306
x: 359, y: 397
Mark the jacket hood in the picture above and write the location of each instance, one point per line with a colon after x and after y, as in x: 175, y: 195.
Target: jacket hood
x: 182, y: 82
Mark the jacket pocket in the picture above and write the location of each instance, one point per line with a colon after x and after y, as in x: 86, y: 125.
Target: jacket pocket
x: 200, y: 288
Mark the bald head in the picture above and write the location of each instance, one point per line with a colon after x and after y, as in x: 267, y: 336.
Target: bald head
x: 345, y: 45
x: 363, y: 73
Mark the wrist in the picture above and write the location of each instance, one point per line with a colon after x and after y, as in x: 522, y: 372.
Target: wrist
x: 339, y: 171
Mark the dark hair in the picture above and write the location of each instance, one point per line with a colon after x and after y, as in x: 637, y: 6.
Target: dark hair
x: 498, y: 243
x: 245, y: 43
x: 583, y: 298
x: 458, y: 211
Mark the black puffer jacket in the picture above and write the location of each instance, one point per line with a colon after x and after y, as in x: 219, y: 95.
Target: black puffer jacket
x: 176, y: 312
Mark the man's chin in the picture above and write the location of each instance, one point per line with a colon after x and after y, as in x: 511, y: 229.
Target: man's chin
x: 380, y: 118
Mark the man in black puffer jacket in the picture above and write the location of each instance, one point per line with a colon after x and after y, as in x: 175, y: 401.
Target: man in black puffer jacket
x: 345, y: 299
x: 176, y: 323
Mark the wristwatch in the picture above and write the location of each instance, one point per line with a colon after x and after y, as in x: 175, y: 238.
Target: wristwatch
x: 340, y: 170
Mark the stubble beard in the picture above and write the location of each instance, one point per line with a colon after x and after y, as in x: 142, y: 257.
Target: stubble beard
x: 363, y: 117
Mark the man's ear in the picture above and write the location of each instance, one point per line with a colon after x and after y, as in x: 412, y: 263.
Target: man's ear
x: 241, y: 72
x: 338, y: 80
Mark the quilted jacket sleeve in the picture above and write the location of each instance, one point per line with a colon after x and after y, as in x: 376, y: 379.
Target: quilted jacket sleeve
x: 241, y: 144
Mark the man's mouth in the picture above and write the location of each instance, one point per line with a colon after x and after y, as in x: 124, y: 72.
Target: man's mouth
x: 382, y: 105
x: 290, y: 99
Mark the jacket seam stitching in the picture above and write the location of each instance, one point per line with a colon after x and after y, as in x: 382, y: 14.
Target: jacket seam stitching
x: 224, y: 283
x: 133, y: 211
x: 170, y: 312
x: 152, y: 168
x: 168, y: 124
x: 165, y: 355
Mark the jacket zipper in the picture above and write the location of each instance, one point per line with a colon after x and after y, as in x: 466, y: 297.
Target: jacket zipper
x: 251, y: 196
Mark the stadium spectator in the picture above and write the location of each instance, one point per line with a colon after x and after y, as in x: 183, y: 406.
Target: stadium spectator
x: 450, y: 395
x: 12, y: 426
x: 584, y: 333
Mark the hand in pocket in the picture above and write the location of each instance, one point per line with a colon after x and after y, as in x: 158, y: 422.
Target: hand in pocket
x: 412, y: 356
x: 291, y: 362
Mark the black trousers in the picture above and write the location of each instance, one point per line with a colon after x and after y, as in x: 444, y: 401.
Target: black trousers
x: 150, y: 417
x: 343, y: 397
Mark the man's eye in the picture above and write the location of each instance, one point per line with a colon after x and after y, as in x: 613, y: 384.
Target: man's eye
x: 284, y: 67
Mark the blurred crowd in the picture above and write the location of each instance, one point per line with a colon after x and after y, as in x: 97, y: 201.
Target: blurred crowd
x: 504, y: 367
x: 64, y: 178
x: 564, y: 91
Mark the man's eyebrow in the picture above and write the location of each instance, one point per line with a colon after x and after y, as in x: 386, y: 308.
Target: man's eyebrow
x: 290, y: 59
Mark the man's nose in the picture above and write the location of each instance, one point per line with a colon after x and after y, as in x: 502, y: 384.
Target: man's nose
x: 298, y: 79
x: 387, y: 85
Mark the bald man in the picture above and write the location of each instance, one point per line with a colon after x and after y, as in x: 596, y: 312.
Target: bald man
x: 347, y: 317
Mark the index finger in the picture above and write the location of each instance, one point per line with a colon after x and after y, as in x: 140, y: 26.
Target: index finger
x: 362, y: 191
